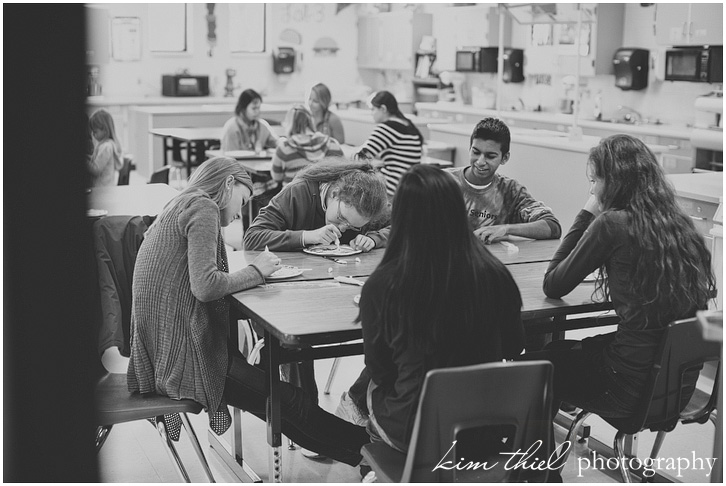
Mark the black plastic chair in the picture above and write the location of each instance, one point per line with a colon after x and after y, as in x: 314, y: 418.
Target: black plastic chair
x: 125, y: 172
x: 468, y: 406
x: 116, y: 405
x: 669, y: 395
x: 161, y: 176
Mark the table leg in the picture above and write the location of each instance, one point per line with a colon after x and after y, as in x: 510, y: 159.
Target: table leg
x: 166, y: 150
x: 189, y: 158
x: 274, y: 414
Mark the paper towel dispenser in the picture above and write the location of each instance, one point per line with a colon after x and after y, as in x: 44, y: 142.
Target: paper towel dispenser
x: 631, y: 68
x: 283, y: 60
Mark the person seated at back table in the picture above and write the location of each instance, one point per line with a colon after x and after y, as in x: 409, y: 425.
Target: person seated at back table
x: 180, y: 317
x: 302, y: 146
x: 326, y: 121
x: 498, y: 206
x: 334, y: 199
x: 438, y: 299
x: 395, y: 140
x: 247, y: 131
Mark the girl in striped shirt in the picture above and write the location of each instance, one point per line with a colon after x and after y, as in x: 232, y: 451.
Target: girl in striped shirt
x: 395, y: 140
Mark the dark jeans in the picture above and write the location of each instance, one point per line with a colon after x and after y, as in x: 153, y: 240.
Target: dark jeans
x: 584, y: 380
x: 302, y: 374
x: 302, y: 420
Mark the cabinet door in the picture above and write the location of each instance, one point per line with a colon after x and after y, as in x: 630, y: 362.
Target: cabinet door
x: 671, y: 23
x: 706, y: 26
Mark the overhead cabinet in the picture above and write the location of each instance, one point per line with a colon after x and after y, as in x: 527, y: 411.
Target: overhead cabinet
x: 389, y: 40
x: 689, y: 24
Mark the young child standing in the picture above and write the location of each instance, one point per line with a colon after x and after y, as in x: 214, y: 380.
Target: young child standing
x: 107, y: 156
x: 498, y: 206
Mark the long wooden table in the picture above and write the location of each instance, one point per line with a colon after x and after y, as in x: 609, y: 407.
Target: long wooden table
x: 312, y: 316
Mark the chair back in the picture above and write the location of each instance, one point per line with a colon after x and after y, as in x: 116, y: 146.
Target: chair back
x: 161, y: 176
x: 467, y: 410
x: 680, y: 358
x: 125, y: 172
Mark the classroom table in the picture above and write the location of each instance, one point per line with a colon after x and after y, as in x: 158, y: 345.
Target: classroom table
x: 197, y: 140
x: 306, y: 327
x: 136, y: 200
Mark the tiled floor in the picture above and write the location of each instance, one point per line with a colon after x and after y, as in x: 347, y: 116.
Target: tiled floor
x: 134, y: 453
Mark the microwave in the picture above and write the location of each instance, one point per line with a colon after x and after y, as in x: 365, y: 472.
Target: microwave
x: 474, y: 59
x: 695, y: 64
x: 184, y: 85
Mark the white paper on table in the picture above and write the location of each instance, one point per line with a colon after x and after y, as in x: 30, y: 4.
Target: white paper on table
x: 236, y: 261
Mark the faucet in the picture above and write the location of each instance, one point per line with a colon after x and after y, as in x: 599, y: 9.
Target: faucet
x: 629, y: 115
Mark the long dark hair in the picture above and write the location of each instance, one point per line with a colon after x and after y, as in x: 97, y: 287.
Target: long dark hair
x: 357, y: 184
x: 245, y: 98
x: 386, y: 99
x: 672, y: 274
x: 442, y: 281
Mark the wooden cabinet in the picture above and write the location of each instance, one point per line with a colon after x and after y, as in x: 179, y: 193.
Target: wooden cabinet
x: 684, y: 24
x: 389, y: 40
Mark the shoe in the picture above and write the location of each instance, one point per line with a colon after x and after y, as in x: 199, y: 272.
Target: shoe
x: 312, y: 454
x: 370, y: 477
x: 348, y: 411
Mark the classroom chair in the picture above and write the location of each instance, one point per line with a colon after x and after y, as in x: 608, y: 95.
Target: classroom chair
x: 669, y: 396
x: 460, y: 411
x: 125, y: 171
x: 169, y: 173
x: 116, y: 405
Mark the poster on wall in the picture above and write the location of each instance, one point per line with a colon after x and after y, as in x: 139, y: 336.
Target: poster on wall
x: 126, y: 39
x: 246, y: 27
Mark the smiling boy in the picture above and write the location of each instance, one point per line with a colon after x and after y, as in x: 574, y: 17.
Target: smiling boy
x: 498, y: 206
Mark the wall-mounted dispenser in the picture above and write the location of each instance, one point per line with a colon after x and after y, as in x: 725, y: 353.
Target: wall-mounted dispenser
x: 283, y: 60
x: 631, y: 68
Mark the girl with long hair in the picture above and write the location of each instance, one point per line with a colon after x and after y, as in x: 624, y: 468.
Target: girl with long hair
x: 395, y: 140
x: 438, y: 299
x: 651, y: 263
x: 180, y: 317
x: 325, y: 120
x: 332, y: 199
x: 107, y: 157
x: 302, y: 146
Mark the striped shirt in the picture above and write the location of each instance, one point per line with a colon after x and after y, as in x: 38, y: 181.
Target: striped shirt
x: 299, y: 151
x: 398, y: 146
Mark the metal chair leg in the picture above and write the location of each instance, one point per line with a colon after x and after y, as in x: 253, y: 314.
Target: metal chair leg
x: 197, y: 447
x: 290, y: 445
x: 173, y: 454
x: 102, y: 432
x: 333, y: 369
x: 619, y: 448
x: 657, y: 444
x: 572, y: 436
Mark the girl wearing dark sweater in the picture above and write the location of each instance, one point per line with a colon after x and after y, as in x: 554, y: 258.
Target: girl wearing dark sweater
x: 438, y: 299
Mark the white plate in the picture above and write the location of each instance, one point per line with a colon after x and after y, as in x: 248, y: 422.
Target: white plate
x: 96, y: 213
x: 331, y: 250
x: 286, y: 271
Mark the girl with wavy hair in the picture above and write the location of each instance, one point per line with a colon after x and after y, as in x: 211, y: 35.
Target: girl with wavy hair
x: 651, y: 263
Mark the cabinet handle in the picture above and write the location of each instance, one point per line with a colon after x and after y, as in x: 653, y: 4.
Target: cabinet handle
x: 684, y: 30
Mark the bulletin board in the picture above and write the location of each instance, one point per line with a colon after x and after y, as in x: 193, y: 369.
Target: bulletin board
x: 126, y: 39
x: 247, y: 28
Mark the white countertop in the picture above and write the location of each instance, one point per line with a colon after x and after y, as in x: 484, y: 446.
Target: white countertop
x: 180, y: 100
x: 704, y: 186
x: 359, y: 114
x: 674, y: 131
x: 206, y: 108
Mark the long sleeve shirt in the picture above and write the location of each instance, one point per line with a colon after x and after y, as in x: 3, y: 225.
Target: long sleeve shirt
x: 179, y: 316
x: 590, y: 244
x: 237, y: 135
x: 105, y: 162
x: 504, y: 201
x: 297, y: 208
x: 398, y: 146
x: 299, y: 151
x: 331, y: 125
